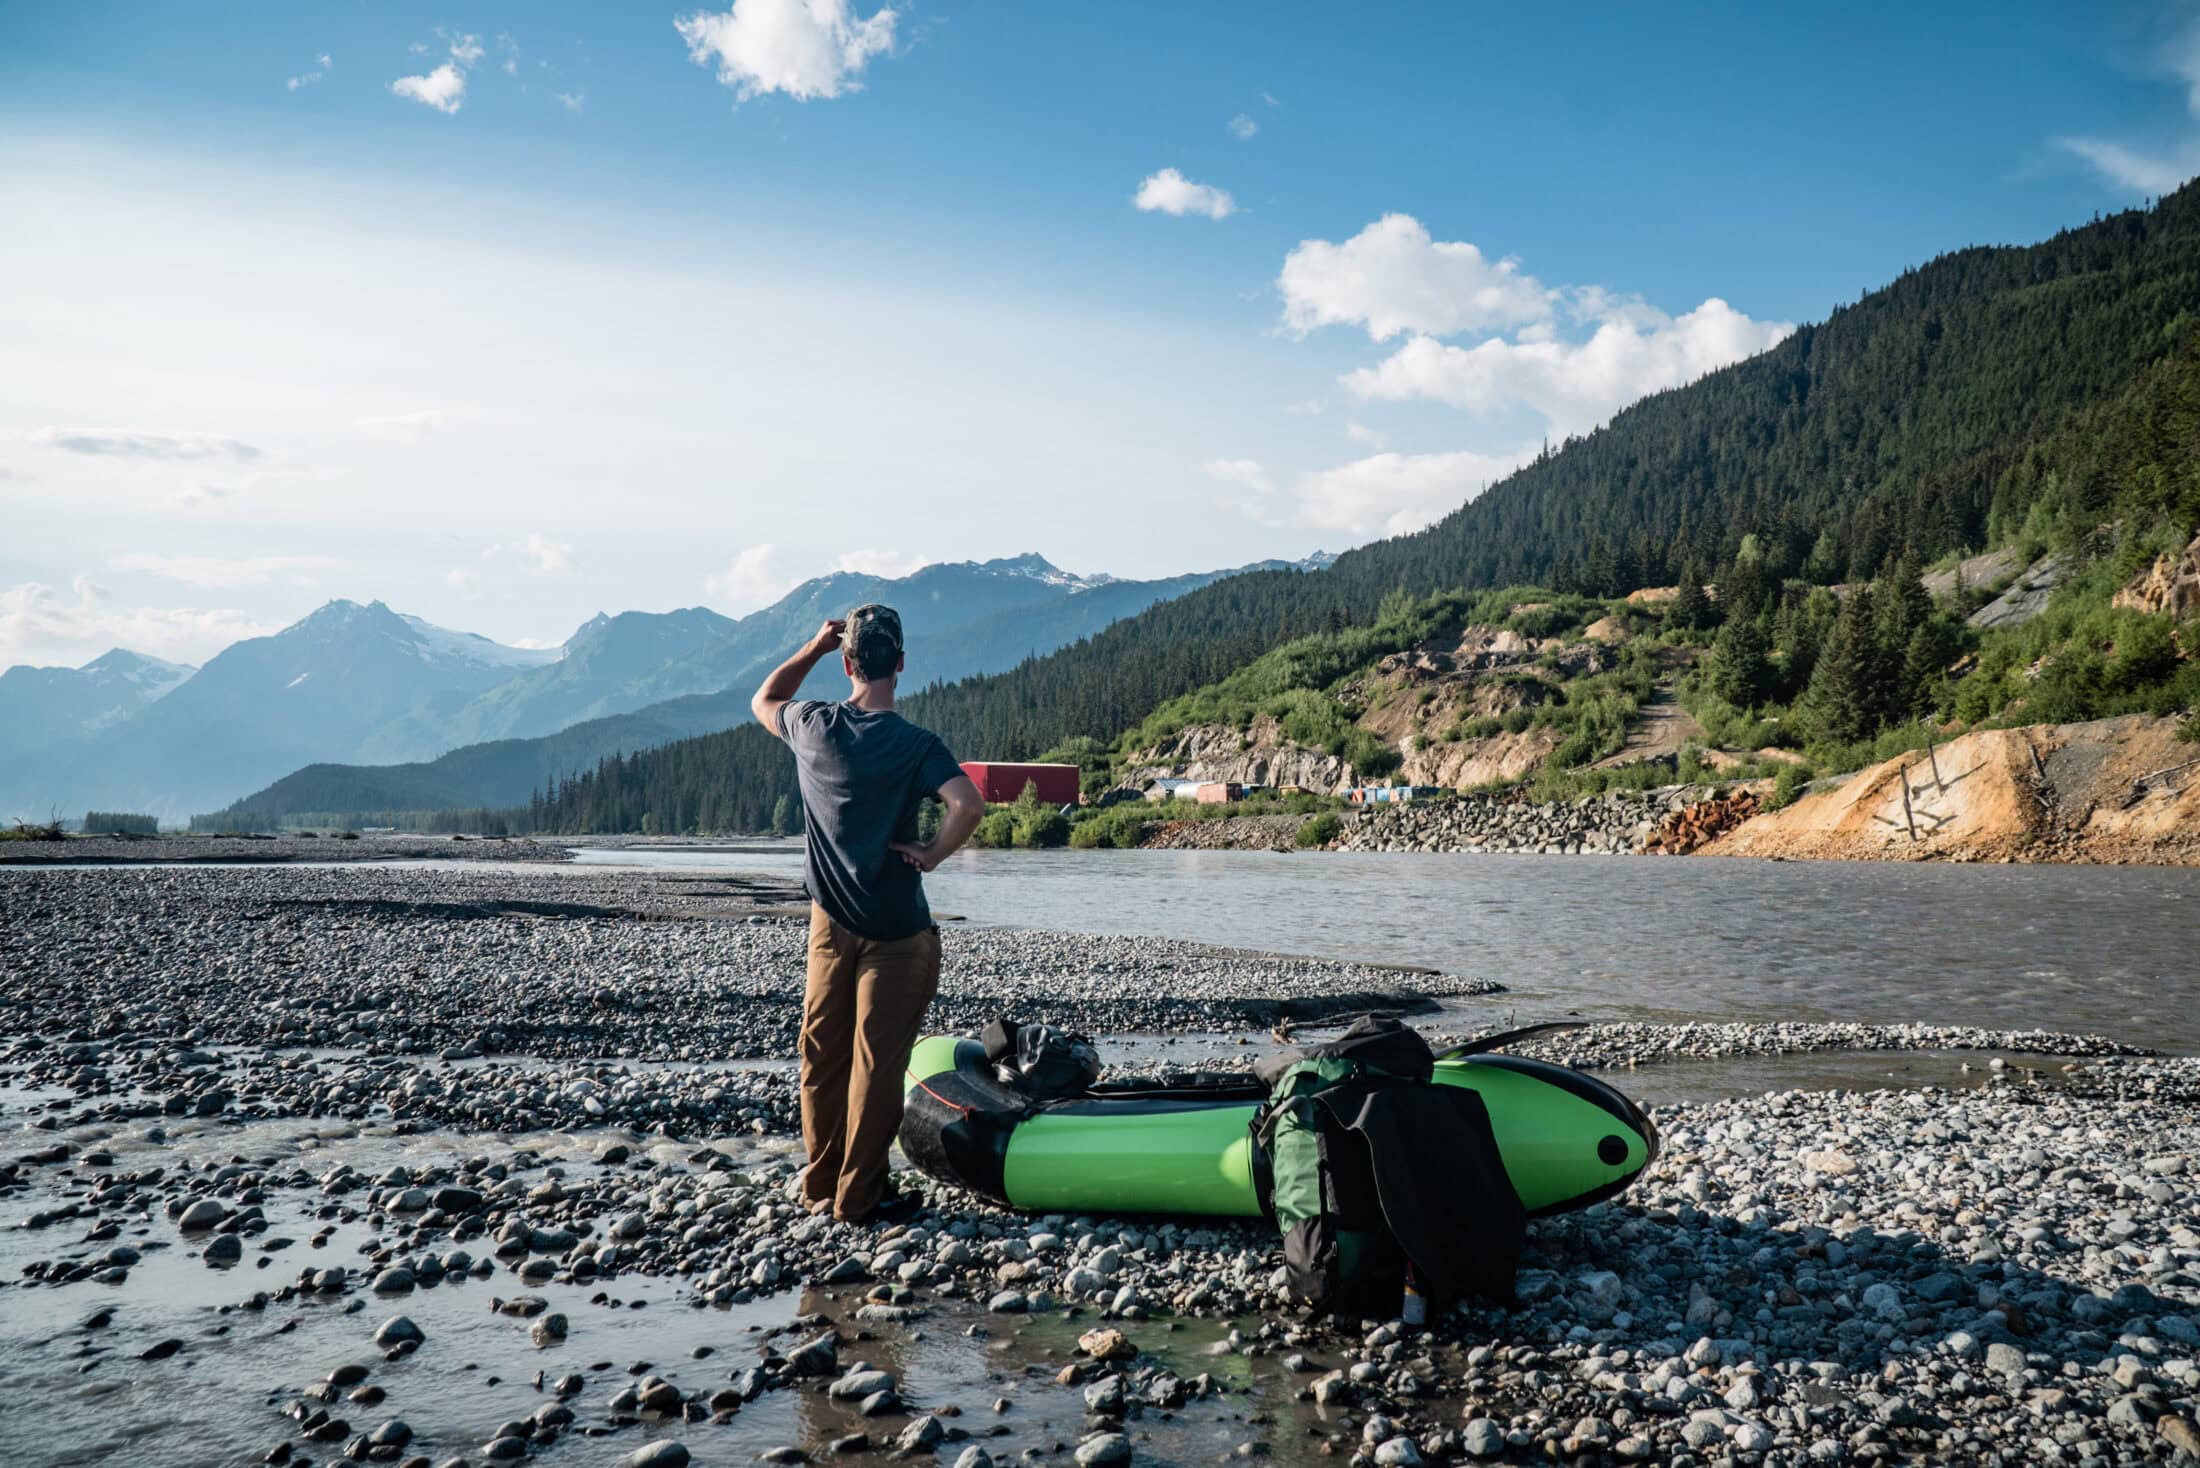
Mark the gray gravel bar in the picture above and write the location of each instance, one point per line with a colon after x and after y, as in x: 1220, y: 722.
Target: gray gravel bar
x: 205, y: 1075
x: 276, y: 850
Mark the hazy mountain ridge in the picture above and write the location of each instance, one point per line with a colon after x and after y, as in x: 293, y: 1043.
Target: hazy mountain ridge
x: 353, y: 683
x: 41, y: 708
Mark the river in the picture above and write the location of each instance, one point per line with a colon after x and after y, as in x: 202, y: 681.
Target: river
x: 2102, y: 950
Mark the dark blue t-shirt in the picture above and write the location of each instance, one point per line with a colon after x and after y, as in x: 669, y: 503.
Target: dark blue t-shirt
x: 863, y: 774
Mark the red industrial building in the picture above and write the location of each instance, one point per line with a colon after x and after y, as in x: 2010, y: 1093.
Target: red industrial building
x: 999, y: 784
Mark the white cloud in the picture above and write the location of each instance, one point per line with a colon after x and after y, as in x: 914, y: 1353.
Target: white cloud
x: 2152, y: 171
x: 1242, y: 128
x: 321, y: 67
x: 444, y: 89
x: 572, y: 101
x: 2135, y: 170
x: 508, y: 49
x: 549, y: 557
x: 130, y: 443
x: 1634, y: 351
x: 1392, y: 277
x: 1258, y: 500
x: 1304, y: 408
x: 465, y: 50
x: 891, y: 565
x: 224, y: 571
x: 465, y: 583
x: 41, y: 625
x: 1391, y: 494
x: 1383, y: 494
x: 544, y: 556
x: 1361, y: 433
x: 193, y: 496
x: 403, y: 427
x: 753, y: 580
x: 1246, y: 472
x: 1170, y: 192
x: 805, y: 48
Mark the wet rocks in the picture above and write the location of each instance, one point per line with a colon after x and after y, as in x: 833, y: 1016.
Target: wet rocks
x: 1482, y: 1438
x: 864, y: 1381
x: 922, y: 1435
x: 1610, y: 824
x: 1104, y: 1450
x: 205, y: 1213
x: 398, y: 1330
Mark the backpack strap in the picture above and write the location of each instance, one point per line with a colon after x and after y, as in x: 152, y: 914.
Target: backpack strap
x: 999, y: 1039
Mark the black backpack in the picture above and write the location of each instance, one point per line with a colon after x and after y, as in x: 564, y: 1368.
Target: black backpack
x: 1040, y: 1061
x: 1376, y: 1177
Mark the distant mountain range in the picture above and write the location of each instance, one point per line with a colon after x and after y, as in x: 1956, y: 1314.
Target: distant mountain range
x: 362, y: 684
x: 43, y: 707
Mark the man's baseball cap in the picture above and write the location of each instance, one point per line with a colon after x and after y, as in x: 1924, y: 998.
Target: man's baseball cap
x: 872, y: 638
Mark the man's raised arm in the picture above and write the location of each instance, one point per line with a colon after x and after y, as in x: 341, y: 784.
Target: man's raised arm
x: 786, y: 679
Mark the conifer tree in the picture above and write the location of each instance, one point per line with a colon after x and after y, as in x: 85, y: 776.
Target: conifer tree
x: 1740, y: 671
x: 1843, y: 686
x: 1691, y: 607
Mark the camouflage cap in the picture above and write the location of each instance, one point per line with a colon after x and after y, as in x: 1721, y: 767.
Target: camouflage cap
x: 872, y: 639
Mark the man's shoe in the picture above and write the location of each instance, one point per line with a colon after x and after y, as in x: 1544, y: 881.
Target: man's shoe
x: 893, y: 1208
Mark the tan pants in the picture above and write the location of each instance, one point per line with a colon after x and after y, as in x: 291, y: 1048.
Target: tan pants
x: 861, y: 1011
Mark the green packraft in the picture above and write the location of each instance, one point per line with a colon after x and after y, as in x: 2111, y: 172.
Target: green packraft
x: 1343, y: 1154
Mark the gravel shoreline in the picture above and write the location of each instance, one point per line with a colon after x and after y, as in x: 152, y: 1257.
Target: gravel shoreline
x: 624, y: 965
x: 276, y: 850
x: 2005, y: 1274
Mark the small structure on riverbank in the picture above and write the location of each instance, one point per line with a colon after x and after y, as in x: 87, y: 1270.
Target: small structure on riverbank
x: 999, y: 784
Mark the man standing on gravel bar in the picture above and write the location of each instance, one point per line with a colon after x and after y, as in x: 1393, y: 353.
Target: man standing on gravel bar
x: 874, y: 949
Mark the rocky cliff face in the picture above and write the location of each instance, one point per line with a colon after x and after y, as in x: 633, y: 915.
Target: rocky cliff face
x: 2171, y: 584
x: 1259, y: 755
x: 1410, y: 699
x: 1465, y: 763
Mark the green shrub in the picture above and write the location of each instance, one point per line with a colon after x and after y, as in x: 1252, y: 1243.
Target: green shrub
x: 1319, y: 830
x: 996, y: 828
x: 1045, y: 828
x: 1788, y: 786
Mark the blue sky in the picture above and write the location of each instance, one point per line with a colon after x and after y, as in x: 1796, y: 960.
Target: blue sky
x: 510, y: 313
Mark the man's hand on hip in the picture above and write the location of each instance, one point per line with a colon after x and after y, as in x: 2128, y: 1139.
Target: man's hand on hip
x: 920, y: 857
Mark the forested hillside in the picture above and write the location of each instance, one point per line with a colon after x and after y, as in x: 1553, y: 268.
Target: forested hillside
x: 1932, y: 415
x: 1995, y: 395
